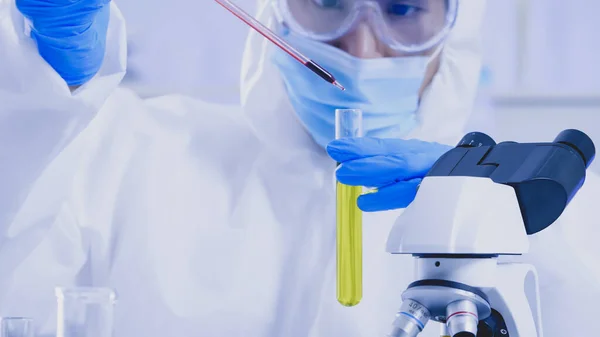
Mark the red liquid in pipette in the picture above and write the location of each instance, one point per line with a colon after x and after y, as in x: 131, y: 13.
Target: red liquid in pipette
x: 267, y: 33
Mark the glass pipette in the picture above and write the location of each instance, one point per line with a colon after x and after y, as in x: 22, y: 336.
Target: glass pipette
x: 267, y: 33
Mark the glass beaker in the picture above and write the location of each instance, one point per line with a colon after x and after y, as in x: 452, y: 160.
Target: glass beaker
x: 16, y: 327
x: 348, y: 123
x: 85, y: 312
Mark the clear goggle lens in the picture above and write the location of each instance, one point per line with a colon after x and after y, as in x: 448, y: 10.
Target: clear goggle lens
x: 404, y: 25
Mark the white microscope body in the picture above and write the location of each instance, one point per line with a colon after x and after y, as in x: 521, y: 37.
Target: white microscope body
x: 477, y: 204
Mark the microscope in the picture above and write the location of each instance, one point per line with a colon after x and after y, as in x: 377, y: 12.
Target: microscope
x: 479, y: 203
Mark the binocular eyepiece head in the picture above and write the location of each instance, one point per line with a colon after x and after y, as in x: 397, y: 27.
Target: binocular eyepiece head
x: 575, y: 139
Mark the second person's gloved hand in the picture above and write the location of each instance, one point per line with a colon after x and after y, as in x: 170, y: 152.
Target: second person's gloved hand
x: 70, y: 35
x: 394, y: 166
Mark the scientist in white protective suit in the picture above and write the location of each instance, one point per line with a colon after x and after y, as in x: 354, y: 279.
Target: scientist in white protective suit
x: 219, y: 221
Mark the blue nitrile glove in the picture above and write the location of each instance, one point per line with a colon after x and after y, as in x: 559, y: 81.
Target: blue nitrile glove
x: 70, y: 35
x: 394, y: 166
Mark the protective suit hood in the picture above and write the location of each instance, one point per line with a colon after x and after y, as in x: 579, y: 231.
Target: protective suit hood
x: 445, y: 108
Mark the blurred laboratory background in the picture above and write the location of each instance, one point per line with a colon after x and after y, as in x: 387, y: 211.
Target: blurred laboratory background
x: 542, y: 69
x: 542, y: 61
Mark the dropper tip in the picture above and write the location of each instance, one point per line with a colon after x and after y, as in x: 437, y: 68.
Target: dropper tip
x: 338, y: 85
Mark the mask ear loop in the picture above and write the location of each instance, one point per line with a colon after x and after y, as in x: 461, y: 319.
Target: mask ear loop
x: 282, y: 26
x: 436, y: 53
x: 432, y: 57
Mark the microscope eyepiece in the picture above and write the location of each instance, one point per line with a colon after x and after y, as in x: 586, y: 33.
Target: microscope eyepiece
x: 476, y: 139
x: 580, y: 142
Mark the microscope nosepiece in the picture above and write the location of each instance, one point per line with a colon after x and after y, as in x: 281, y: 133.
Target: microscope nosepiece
x: 462, y: 319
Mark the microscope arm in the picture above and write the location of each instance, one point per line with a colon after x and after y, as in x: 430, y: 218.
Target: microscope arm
x: 516, y: 303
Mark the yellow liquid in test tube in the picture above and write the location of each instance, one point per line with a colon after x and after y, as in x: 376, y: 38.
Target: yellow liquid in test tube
x: 348, y: 124
x: 349, y: 245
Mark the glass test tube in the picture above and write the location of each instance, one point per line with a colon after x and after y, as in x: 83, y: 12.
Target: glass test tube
x: 85, y: 312
x: 348, y: 123
x: 16, y: 327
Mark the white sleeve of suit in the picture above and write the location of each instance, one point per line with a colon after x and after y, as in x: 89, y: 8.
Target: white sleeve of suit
x: 39, y: 118
x: 39, y: 115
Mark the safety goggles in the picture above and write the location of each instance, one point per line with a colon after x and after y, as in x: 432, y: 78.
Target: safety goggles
x: 409, y: 26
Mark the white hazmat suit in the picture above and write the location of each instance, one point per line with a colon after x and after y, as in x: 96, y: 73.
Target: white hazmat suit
x: 214, y: 220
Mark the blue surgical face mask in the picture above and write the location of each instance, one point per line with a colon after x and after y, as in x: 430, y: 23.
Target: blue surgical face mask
x: 385, y: 89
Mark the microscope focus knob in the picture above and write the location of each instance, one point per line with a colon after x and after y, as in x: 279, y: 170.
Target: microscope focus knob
x: 580, y: 142
x: 476, y: 139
